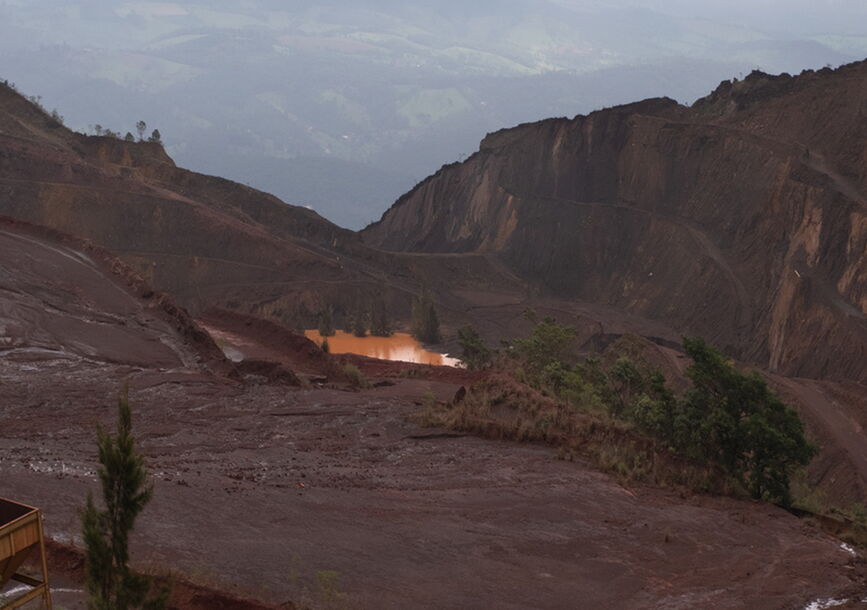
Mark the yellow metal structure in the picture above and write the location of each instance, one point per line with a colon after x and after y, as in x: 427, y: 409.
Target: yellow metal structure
x: 20, y: 535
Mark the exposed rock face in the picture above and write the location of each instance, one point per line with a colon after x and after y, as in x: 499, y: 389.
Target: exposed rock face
x: 742, y: 218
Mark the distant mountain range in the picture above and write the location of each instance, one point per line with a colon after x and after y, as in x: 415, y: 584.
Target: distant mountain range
x: 342, y: 106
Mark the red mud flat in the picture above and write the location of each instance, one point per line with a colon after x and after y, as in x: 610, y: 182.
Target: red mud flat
x: 259, y: 487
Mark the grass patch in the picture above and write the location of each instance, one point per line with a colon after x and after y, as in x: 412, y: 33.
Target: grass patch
x: 848, y: 523
x: 322, y: 590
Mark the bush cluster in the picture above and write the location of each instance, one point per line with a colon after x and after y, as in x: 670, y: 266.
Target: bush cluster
x: 727, y: 417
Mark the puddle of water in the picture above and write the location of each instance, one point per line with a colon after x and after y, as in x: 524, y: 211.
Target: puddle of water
x: 849, y: 549
x: 400, y: 347
x: 825, y: 604
x: 233, y: 354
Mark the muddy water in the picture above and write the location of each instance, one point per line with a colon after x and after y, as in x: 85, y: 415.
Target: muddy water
x: 399, y: 346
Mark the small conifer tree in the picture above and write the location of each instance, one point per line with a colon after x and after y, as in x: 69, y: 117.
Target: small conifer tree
x: 380, y: 324
x: 110, y: 583
x: 357, y: 322
x: 326, y: 323
x: 425, y: 323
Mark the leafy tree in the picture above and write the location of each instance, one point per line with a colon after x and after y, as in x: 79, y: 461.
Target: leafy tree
x: 110, y: 583
x: 625, y: 382
x: 733, y: 418
x: 129, y: 137
x: 727, y: 418
x: 474, y: 353
x: 141, y: 127
x: 156, y: 138
x: 550, y: 343
x: 425, y: 322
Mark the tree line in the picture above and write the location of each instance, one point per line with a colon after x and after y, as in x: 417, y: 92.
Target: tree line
x: 140, y: 127
x: 375, y: 319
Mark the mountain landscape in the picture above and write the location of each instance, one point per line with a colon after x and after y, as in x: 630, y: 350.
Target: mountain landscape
x: 288, y: 476
x: 343, y: 106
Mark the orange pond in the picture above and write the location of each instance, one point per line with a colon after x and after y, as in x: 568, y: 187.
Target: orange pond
x: 399, y: 346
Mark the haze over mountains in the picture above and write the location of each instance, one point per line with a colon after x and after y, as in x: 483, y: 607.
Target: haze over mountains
x: 344, y: 106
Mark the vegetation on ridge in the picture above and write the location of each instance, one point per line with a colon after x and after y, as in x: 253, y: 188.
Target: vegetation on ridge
x: 727, y: 430
x: 475, y: 355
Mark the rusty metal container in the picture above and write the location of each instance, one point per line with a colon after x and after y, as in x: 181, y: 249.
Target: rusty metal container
x: 21, y: 535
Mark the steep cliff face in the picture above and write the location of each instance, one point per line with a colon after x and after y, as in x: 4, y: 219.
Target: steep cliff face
x: 742, y: 219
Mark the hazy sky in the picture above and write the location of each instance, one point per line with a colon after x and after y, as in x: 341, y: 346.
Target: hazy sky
x: 342, y: 105
x: 795, y: 16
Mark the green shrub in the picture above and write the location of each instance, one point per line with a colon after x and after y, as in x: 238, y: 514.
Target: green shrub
x: 328, y: 588
x: 475, y: 355
x: 429, y: 400
x: 355, y: 377
x: 550, y: 343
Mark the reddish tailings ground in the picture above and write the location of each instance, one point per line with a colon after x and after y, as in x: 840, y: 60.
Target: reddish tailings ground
x: 260, y: 485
